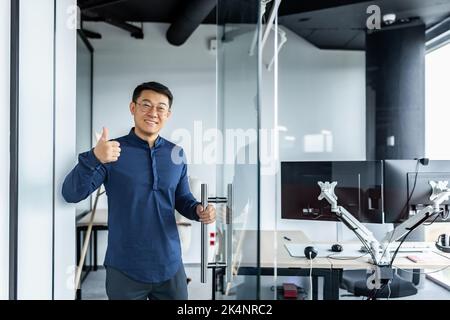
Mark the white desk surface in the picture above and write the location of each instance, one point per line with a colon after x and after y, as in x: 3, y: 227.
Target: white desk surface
x: 100, y: 219
x: 434, y: 259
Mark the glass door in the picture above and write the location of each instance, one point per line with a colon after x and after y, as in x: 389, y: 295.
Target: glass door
x: 238, y: 222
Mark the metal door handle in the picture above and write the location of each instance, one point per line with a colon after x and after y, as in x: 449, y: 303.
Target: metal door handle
x: 229, y: 234
x: 204, y: 245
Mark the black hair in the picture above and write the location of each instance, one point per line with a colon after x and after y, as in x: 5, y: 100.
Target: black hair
x: 154, y: 86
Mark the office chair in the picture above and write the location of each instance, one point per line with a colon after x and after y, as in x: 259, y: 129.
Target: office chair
x: 354, y: 281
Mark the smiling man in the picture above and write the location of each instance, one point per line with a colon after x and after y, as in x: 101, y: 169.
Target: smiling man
x: 144, y: 184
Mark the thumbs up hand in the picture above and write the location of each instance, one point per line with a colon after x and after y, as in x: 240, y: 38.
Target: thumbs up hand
x: 107, y: 151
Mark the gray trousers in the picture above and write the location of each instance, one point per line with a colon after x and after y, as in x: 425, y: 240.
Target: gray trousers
x: 121, y: 287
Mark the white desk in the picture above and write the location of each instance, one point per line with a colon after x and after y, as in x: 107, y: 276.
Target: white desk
x: 329, y: 269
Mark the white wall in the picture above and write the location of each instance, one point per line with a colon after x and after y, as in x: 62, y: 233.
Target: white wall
x: 318, y: 90
x: 122, y: 62
x: 5, y: 30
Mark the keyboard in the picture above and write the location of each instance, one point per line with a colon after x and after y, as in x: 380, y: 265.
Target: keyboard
x: 409, y: 247
x: 423, y: 245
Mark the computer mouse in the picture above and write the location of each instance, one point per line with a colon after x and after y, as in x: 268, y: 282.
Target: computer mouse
x: 336, y: 248
x: 310, y: 252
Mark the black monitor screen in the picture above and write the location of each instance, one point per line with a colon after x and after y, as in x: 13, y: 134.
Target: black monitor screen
x: 402, y: 182
x: 359, y: 189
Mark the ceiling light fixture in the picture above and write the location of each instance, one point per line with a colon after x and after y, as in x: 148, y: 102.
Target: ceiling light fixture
x: 389, y: 18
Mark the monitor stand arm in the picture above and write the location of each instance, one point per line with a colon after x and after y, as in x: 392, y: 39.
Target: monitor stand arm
x: 379, y: 252
x: 440, y: 193
x: 369, y: 241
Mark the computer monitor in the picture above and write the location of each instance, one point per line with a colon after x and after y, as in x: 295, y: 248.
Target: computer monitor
x: 359, y: 189
x: 400, y: 183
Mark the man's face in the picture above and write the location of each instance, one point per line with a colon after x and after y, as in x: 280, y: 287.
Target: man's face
x: 150, y: 111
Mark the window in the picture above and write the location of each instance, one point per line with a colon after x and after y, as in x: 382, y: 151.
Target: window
x: 437, y: 108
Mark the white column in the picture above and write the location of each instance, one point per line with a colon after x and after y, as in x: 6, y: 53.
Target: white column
x: 65, y: 155
x: 47, y: 96
x: 5, y: 60
x: 35, y: 207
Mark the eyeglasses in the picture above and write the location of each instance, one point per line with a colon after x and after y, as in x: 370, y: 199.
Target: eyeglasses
x: 147, y: 107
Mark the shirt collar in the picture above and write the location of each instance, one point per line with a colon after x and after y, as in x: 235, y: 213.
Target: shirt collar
x: 133, y: 136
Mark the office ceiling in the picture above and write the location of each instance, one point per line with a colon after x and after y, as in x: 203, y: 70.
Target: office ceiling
x: 344, y: 27
x: 133, y: 10
x: 167, y: 11
x: 328, y: 24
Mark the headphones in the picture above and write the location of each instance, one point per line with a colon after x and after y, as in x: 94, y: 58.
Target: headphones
x: 442, y: 243
x: 310, y: 253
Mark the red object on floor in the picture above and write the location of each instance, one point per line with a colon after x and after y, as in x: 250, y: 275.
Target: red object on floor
x: 289, y: 291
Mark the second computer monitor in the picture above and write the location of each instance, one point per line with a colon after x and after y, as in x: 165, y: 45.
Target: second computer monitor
x: 407, y: 187
x: 359, y: 189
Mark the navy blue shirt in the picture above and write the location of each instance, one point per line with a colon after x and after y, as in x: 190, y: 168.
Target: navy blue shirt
x: 143, y: 187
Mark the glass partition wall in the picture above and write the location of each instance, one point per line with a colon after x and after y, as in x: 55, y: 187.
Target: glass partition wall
x: 320, y: 87
x: 85, y: 58
x: 350, y: 90
x: 247, y: 69
x: 238, y: 162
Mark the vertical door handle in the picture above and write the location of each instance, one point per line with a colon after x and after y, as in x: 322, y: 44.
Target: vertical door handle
x: 229, y: 233
x: 204, y: 245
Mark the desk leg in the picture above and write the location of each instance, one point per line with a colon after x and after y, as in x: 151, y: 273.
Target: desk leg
x: 416, y: 276
x: 315, y: 285
x: 335, y: 278
x: 95, y: 250
x: 90, y: 253
x: 78, y: 245
x: 222, y: 281
x: 331, y: 285
x: 214, y: 285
